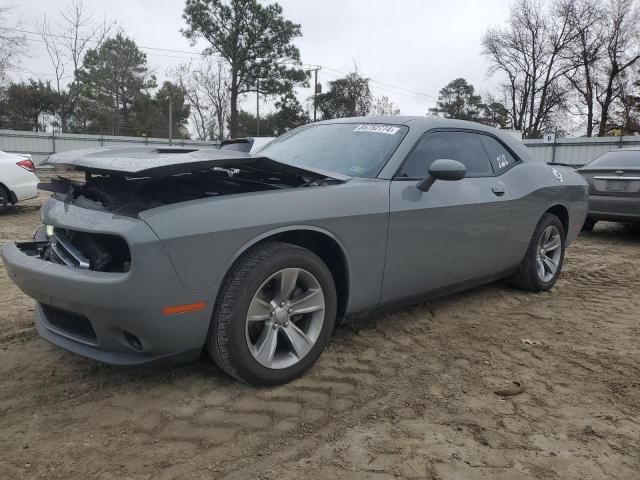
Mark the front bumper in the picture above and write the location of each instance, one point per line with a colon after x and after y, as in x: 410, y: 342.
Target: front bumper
x: 124, y: 310
x: 614, y: 208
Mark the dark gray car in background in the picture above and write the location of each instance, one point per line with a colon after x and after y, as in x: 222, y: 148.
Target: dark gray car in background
x: 160, y: 252
x: 614, y: 187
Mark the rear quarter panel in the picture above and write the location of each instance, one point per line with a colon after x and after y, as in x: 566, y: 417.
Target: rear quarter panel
x: 534, y: 190
x: 204, y: 237
x: 18, y: 180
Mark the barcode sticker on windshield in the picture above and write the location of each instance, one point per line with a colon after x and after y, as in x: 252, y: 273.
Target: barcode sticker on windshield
x: 387, y: 129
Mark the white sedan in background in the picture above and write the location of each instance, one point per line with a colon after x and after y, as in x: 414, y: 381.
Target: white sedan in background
x: 18, y: 181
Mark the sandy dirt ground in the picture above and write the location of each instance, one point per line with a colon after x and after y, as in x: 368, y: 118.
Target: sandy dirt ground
x: 408, y: 394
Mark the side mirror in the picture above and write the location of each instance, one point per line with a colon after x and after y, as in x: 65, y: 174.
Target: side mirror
x: 447, y: 170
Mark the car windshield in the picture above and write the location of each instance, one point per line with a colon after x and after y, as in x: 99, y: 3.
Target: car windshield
x: 619, y: 159
x: 356, y: 150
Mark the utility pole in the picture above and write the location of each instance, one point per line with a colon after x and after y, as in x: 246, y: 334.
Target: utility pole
x: 315, y: 90
x: 170, y: 119
x: 258, y: 107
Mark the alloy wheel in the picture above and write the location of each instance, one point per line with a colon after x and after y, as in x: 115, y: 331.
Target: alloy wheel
x: 549, y: 253
x: 285, y: 318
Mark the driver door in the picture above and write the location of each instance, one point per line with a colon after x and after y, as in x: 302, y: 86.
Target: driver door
x: 451, y: 234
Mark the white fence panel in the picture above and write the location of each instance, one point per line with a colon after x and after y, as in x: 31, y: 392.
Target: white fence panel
x: 578, y: 151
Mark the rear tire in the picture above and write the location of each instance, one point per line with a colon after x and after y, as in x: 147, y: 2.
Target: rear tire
x: 261, y: 305
x: 543, y: 261
x: 4, y: 199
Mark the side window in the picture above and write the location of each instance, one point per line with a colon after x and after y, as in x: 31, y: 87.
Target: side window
x: 500, y: 157
x: 464, y: 147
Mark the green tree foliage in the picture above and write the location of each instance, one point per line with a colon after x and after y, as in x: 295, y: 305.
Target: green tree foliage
x: 152, y: 113
x: 25, y: 106
x: 458, y: 100
x: 112, y: 78
x: 495, y: 114
x: 347, y: 97
x: 254, y: 39
x: 248, y: 125
x: 289, y: 114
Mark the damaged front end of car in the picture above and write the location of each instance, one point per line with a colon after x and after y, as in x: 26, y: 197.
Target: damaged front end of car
x: 104, y: 281
x: 129, y: 181
x: 99, y: 252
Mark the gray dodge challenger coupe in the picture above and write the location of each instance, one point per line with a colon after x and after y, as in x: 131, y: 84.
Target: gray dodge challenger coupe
x: 160, y: 252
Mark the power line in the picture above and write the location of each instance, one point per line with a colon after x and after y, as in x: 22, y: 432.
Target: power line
x: 376, y: 86
x: 414, y: 92
x: 406, y: 91
x: 66, y: 37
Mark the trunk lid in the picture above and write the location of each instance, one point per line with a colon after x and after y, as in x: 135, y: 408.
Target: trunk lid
x: 612, y: 181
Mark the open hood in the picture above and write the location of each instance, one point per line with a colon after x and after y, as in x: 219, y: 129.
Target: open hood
x: 166, y: 161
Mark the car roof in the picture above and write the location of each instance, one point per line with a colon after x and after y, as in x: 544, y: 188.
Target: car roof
x: 429, y: 122
x: 426, y: 122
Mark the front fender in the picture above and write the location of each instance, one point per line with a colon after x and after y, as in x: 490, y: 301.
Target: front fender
x: 205, y: 237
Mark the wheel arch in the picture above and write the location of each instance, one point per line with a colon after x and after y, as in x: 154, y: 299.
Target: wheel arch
x: 562, y: 212
x: 12, y: 196
x: 321, y: 242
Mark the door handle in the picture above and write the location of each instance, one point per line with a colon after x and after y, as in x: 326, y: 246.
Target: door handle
x: 498, y: 189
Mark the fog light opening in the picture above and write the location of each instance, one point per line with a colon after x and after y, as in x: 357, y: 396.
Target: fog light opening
x: 133, y: 341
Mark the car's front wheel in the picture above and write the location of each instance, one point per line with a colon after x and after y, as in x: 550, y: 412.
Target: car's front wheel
x: 274, y: 315
x: 542, y: 263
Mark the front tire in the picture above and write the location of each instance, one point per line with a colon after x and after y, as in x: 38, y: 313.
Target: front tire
x: 543, y: 261
x: 274, y: 314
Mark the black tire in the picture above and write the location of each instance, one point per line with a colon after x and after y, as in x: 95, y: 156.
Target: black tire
x: 226, y: 340
x: 589, y: 225
x: 4, y: 198
x: 527, y: 277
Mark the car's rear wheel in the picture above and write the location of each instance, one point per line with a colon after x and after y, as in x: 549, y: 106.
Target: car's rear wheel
x: 543, y: 261
x: 274, y: 315
x: 4, y: 198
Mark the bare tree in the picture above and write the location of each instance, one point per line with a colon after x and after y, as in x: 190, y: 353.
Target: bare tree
x: 214, y: 78
x: 586, y: 52
x: 208, y: 92
x: 66, y: 44
x: 531, y: 54
x: 383, y: 106
x: 622, y: 49
x: 12, y: 42
x: 201, y: 118
x: 629, y: 108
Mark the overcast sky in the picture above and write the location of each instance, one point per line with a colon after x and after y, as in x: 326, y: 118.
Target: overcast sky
x: 413, y: 46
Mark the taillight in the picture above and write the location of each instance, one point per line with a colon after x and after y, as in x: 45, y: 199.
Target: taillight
x: 27, y: 165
